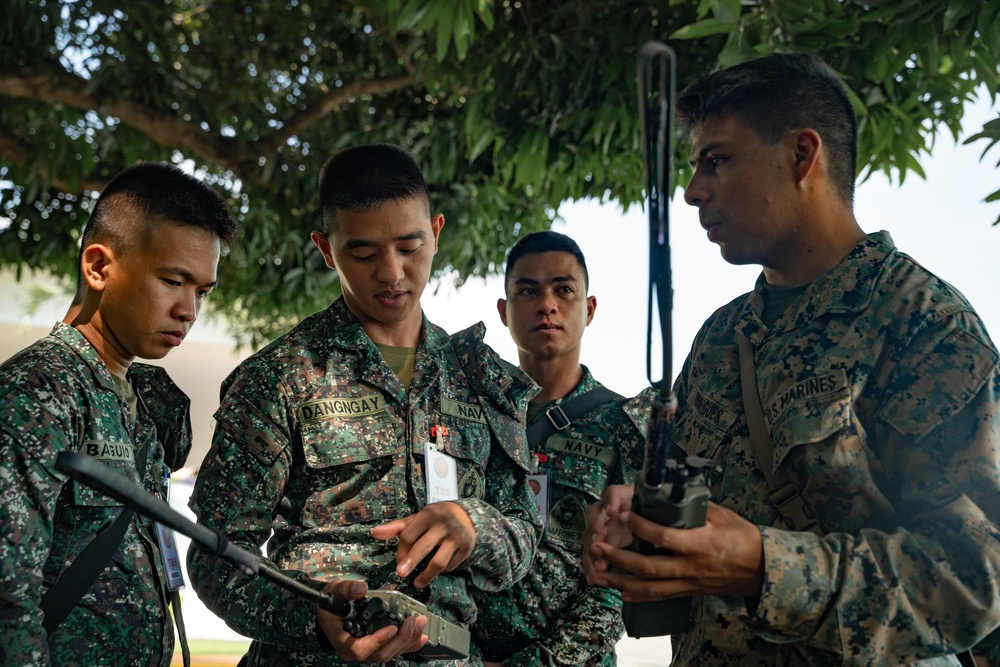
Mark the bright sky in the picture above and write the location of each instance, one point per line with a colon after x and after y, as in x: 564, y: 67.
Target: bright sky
x: 941, y: 222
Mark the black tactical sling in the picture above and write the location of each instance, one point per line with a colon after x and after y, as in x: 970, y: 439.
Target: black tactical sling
x: 77, y: 579
x: 561, y: 415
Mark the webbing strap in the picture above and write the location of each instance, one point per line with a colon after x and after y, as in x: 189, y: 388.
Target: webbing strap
x: 559, y: 416
x: 76, y: 580
x: 782, y: 493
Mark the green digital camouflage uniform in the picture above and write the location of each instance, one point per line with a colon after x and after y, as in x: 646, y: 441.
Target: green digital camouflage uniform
x: 57, y: 395
x: 318, y: 440
x: 552, y: 617
x: 881, y: 390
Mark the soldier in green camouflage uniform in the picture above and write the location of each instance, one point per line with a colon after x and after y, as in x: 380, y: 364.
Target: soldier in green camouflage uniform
x: 551, y: 617
x: 321, y: 439
x: 149, y: 256
x: 880, y: 391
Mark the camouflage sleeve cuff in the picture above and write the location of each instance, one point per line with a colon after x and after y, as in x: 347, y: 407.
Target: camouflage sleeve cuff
x: 483, y: 515
x: 504, y: 547
x: 799, y: 572
x: 533, y: 655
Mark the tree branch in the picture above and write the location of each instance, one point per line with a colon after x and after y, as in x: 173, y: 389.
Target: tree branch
x: 16, y: 153
x: 331, y: 101
x: 166, y: 130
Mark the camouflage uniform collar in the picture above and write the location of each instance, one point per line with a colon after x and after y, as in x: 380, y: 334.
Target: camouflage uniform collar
x: 79, y: 344
x: 434, y: 337
x: 345, y: 330
x: 505, y: 385
x: 587, y: 382
x: 845, y: 288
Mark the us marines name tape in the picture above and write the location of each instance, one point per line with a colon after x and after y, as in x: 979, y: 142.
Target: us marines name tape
x: 466, y: 411
x: 333, y: 408
x: 106, y: 450
x: 810, y: 388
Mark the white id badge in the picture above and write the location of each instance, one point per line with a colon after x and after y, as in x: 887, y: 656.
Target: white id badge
x: 171, y: 559
x: 540, y: 488
x: 441, y: 473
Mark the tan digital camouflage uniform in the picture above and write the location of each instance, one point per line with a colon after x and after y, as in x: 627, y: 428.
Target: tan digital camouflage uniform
x: 882, y: 391
x: 57, y: 395
x: 317, y: 440
x: 552, y: 617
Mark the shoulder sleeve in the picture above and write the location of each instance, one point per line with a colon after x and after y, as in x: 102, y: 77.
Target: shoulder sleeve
x: 237, y: 493
x: 38, y: 421
x: 930, y: 586
x: 506, y: 522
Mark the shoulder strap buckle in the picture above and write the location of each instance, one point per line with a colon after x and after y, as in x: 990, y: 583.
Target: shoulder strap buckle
x: 557, y: 417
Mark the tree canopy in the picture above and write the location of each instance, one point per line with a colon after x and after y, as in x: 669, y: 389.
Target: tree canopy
x: 511, y: 107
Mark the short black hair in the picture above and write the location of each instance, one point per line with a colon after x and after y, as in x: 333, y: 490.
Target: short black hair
x: 777, y: 93
x: 146, y: 195
x: 365, y: 177
x: 539, y: 242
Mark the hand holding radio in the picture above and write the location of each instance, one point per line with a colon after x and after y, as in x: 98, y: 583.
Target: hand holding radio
x: 725, y: 556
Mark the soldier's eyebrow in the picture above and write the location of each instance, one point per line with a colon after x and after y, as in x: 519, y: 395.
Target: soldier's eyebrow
x: 353, y: 244
x: 556, y: 279
x: 187, y: 275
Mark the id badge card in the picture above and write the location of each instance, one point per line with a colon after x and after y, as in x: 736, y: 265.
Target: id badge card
x: 168, y: 544
x: 171, y: 559
x: 539, y: 484
x: 441, y: 473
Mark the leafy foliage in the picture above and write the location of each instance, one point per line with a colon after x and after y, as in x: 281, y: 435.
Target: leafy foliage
x: 511, y: 107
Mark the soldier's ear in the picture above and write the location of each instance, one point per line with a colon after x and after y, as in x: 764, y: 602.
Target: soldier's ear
x: 96, y: 262
x: 322, y: 242
x: 502, y: 309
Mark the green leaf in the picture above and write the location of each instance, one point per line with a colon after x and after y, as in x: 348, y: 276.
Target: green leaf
x: 445, y: 29
x: 703, y: 28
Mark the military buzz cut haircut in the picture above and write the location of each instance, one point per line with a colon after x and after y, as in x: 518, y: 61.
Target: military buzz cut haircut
x: 363, y: 178
x: 778, y: 93
x: 146, y: 195
x: 539, y: 242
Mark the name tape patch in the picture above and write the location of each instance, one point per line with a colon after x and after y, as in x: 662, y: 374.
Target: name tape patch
x: 335, y: 408
x: 467, y: 411
x: 820, y: 385
x: 105, y: 450
x: 605, y: 455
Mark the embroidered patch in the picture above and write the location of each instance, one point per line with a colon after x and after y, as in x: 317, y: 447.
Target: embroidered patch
x: 334, y: 408
x: 821, y: 385
x: 567, y: 520
x: 605, y: 455
x: 467, y: 411
x: 105, y: 450
x: 471, y: 485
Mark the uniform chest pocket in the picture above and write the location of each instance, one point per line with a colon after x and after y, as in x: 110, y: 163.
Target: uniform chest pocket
x: 468, y: 442
x: 351, y: 472
x: 579, y: 464
x: 702, y: 425
x: 119, y: 457
x: 808, y: 413
x: 345, y: 441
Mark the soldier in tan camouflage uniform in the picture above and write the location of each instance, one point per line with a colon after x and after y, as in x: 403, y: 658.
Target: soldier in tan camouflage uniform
x: 321, y: 439
x: 880, y: 395
x: 551, y: 617
x: 149, y: 257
